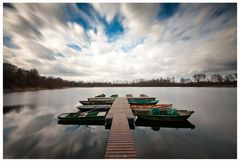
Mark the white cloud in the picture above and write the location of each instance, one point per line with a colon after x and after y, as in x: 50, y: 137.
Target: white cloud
x: 188, y: 42
x: 108, y: 10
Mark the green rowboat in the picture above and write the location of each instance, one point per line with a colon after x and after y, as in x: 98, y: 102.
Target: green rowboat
x: 143, y: 102
x: 141, y: 98
x: 83, y: 116
x: 170, y: 115
x: 96, y: 107
x: 96, y: 102
x: 103, y: 99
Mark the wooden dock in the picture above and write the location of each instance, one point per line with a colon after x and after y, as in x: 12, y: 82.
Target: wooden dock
x: 120, y: 106
x: 120, y: 144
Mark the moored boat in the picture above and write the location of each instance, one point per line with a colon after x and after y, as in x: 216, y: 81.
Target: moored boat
x: 96, y: 107
x: 85, y: 102
x: 141, y: 98
x: 96, y: 102
x: 162, y: 107
x: 143, y: 102
x: 171, y: 115
x: 114, y: 95
x: 101, y: 95
x: 143, y: 95
x: 129, y: 95
x: 83, y: 116
x: 101, y: 99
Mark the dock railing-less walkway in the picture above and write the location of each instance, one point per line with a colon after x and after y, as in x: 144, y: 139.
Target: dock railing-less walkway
x: 120, y: 144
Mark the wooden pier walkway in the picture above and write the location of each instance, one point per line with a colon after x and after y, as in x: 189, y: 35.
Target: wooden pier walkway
x: 120, y: 144
x: 120, y: 106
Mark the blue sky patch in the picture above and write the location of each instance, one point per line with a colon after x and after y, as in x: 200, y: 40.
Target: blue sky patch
x: 114, y: 29
x: 75, y: 47
x: 7, y: 41
x: 167, y: 10
x: 86, y: 13
x: 58, y: 54
x: 130, y: 47
x: 89, y: 18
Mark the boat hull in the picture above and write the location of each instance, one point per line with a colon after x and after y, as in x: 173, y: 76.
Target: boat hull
x: 143, y: 102
x: 161, y: 106
x: 182, y: 115
x: 96, y: 107
x: 96, y: 102
x: 101, y: 95
x: 80, y: 117
x: 129, y: 95
x: 141, y: 98
x: 101, y: 99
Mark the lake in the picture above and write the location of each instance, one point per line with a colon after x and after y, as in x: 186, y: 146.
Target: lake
x: 31, y: 129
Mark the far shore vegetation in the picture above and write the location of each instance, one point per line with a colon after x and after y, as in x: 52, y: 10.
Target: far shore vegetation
x: 18, y: 79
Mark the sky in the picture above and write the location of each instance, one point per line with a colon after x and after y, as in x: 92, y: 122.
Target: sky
x: 121, y: 41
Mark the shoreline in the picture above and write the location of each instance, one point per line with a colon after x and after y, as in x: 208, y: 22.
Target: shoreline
x: 29, y: 89
x: 38, y: 89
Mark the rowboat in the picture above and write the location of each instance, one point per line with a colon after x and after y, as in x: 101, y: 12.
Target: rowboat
x: 96, y: 107
x: 143, y: 95
x: 178, y: 115
x: 162, y: 107
x: 83, y: 116
x: 101, y: 95
x: 129, y: 95
x: 96, y: 102
x: 114, y: 95
x: 101, y: 99
x: 143, y: 102
x: 141, y: 98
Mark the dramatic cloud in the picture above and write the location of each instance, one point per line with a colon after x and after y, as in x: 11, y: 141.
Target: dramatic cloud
x: 106, y: 42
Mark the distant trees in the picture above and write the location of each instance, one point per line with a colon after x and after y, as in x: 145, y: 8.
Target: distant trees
x: 199, y: 77
x: 14, y: 77
x: 18, y: 78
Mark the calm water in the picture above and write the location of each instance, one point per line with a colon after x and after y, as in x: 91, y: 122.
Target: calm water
x: 30, y: 128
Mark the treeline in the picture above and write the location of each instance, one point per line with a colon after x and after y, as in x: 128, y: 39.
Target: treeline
x: 18, y: 78
x: 15, y: 78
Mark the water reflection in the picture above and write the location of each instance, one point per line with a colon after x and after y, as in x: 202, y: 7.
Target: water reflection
x: 81, y: 122
x: 33, y: 131
x: 17, y: 108
x: 30, y: 132
x: 156, y: 125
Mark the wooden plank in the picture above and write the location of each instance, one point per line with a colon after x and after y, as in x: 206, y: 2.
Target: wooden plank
x: 120, y: 106
x: 120, y: 144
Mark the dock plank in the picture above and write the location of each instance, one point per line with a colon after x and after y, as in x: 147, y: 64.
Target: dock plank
x: 120, y: 106
x: 120, y: 144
